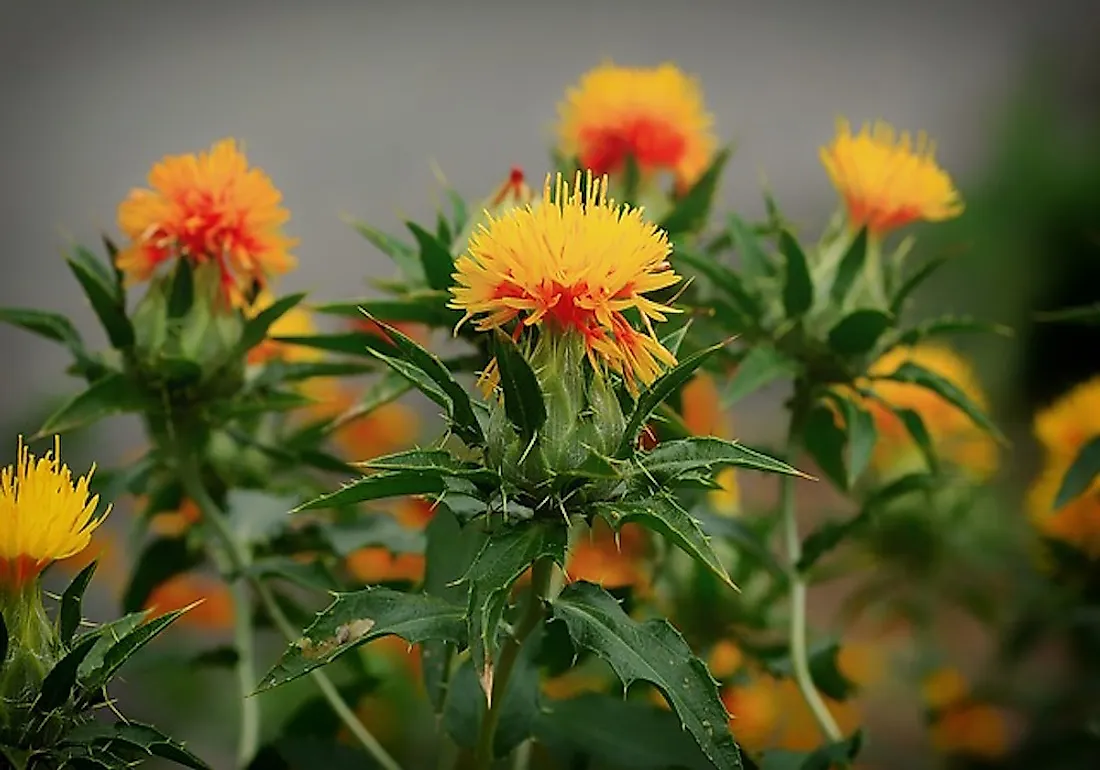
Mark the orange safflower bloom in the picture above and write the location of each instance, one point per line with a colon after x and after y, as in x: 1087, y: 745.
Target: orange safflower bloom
x: 655, y: 114
x: 215, y: 611
x: 955, y: 436
x: 755, y: 712
x: 178, y: 521
x: 1066, y: 425
x: 799, y: 730
x: 414, y: 512
x: 379, y: 565
x: 1077, y: 523
x: 887, y: 182
x: 607, y: 560
x: 725, y: 659
x: 943, y: 688
x: 209, y: 207
x: 974, y: 729
x: 572, y: 264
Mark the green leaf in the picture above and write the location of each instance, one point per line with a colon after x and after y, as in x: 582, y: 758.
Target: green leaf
x: 860, y: 437
x: 435, y: 257
x: 160, y: 560
x: 112, y: 394
x: 857, y: 333
x: 106, y: 636
x: 260, y: 402
x: 310, y: 575
x: 745, y: 302
x: 102, y: 291
x: 1082, y: 472
x: 465, y: 705
x: 70, y: 614
x: 147, y: 740
x: 828, y: 536
x: 652, y: 398
x: 433, y: 461
x: 181, y: 294
x: 276, y: 372
x: 257, y: 328
x: 125, y: 648
x: 664, y: 515
x: 449, y: 553
x: 426, y: 307
x: 524, y: 402
x: 850, y: 267
x: 52, y: 326
x: 653, y: 651
x: 798, y: 287
x: 1087, y: 315
x: 690, y: 211
x: 937, y: 327
x: 448, y: 393
x: 707, y: 453
x: 915, y: 374
x: 58, y: 684
x: 358, y: 617
x: 825, y: 442
x: 914, y: 426
x: 349, y: 343
x: 762, y: 366
x: 369, y: 531
x: 754, y: 260
x: 503, y: 558
x: 377, y: 486
x: 403, y: 255
x: 897, y: 304
x: 618, y: 733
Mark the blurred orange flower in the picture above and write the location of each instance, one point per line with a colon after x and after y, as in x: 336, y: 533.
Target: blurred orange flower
x: 176, y: 522
x: 944, y: 687
x: 886, y: 181
x: 209, y: 207
x: 725, y: 659
x: 388, y: 428
x: 701, y: 408
x: 655, y: 114
x: 571, y: 683
x: 413, y: 512
x: 973, y: 729
x: 954, y: 435
x: 799, y: 730
x: 610, y: 561
x: 379, y: 565
x: 755, y: 712
x: 215, y: 611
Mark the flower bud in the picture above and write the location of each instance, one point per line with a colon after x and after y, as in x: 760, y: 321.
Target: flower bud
x: 33, y: 649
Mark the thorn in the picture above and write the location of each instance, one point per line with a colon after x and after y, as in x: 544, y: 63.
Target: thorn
x: 486, y: 680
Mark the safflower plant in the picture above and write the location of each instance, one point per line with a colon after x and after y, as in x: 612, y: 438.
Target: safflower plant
x: 576, y: 526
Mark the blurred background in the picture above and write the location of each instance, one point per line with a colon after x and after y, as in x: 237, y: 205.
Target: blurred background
x: 348, y: 105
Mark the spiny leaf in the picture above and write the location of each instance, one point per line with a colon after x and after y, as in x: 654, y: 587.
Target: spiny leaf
x: 377, y: 486
x: 358, y: 617
x: 433, y: 461
x: 673, y: 458
x: 665, y: 516
x: 435, y: 258
x: 112, y: 394
x: 148, y: 740
x: 1082, y: 472
x: 499, y: 564
x: 102, y: 291
x: 58, y: 684
x: 256, y: 329
x: 915, y: 374
x: 53, y: 326
x: 655, y: 652
x: 524, y: 402
x: 122, y: 650
x: 72, y: 599
x: 851, y: 265
x: 762, y: 366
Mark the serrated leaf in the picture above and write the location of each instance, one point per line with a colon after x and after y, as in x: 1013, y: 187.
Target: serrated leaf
x: 106, y: 636
x: 745, y: 301
x: 433, y: 461
x: 58, y: 684
x: 148, y: 740
x: 101, y: 289
x: 435, y: 258
x: 52, y: 326
x: 524, y: 403
x: 70, y: 614
x: 377, y: 486
x: 798, y: 287
x: 915, y: 374
x: 850, y: 267
x: 358, y: 617
x: 454, y: 398
x: 1082, y: 472
x: 653, y: 651
x: 664, y: 516
x: 858, y: 332
x: 614, y: 732
x: 126, y: 647
x: 762, y: 366
x: 897, y: 304
x: 503, y: 558
x: 673, y: 458
x: 651, y: 399
x: 690, y: 211
x: 403, y: 255
x: 112, y: 394
x: 937, y: 327
x: 161, y: 559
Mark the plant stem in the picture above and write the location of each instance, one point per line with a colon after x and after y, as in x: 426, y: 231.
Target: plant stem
x: 239, y: 558
x: 799, y: 658
x: 541, y: 574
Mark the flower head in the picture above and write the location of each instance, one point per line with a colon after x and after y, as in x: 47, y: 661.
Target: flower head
x: 886, y: 181
x: 954, y: 435
x: 1066, y: 425
x: 655, y: 114
x: 612, y: 560
x: 209, y: 207
x: 214, y: 608
x: 44, y: 514
x: 572, y: 264
x: 379, y: 565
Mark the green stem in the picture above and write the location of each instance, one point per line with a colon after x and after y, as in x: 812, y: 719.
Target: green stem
x: 800, y: 661
x: 238, y: 562
x: 541, y: 575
